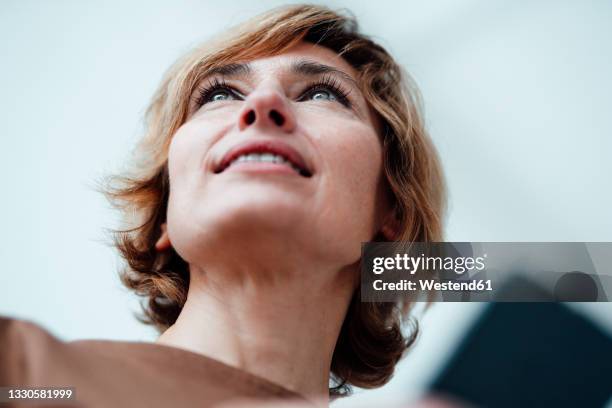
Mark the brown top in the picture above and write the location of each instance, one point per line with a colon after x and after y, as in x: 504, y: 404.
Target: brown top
x: 108, y: 373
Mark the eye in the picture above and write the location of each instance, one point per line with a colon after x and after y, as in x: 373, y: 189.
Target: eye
x: 327, y: 89
x: 216, y: 91
x: 322, y: 95
x: 220, y: 95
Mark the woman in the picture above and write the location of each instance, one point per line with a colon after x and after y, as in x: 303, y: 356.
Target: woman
x: 270, y: 154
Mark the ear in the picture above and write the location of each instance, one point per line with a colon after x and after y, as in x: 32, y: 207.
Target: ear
x: 390, y: 228
x: 163, y: 243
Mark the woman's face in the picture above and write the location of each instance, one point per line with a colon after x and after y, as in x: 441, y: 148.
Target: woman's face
x: 280, y: 153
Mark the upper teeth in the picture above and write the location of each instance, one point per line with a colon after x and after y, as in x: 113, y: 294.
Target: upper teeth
x: 262, y: 157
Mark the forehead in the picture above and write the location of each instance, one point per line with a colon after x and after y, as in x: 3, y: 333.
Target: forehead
x: 303, y: 51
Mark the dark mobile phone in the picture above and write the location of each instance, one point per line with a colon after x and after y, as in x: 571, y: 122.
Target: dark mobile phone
x: 530, y: 355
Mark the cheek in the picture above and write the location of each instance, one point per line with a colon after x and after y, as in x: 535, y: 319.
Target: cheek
x: 190, y: 146
x: 353, y: 159
x: 183, y: 155
x: 188, y: 150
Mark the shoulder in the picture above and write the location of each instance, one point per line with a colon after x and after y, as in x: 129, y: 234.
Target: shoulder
x: 19, y: 341
x: 121, y: 373
x: 195, y: 374
x: 13, y: 331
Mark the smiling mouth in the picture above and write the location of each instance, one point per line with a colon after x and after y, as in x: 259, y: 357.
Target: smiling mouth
x: 266, y: 158
x: 266, y: 155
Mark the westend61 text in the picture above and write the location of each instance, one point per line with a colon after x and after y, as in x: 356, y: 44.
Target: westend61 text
x: 431, y: 284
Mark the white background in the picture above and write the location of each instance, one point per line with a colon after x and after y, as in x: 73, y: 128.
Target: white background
x: 517, y: 96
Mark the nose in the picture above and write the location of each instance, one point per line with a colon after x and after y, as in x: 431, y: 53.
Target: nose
x: 267, y: 108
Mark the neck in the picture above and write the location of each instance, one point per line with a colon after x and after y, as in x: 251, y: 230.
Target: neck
x: 281, y: 326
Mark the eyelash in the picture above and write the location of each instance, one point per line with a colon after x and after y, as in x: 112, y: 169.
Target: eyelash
x: 329, y: 83
x: 326, y: 83
x: 215, y: 85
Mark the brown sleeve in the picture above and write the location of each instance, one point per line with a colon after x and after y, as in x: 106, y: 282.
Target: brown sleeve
x: 122, y: 374
x: 22, y: 344
x: 12, y: 355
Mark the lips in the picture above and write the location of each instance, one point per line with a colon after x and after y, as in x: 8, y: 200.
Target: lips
x: 278, y: 148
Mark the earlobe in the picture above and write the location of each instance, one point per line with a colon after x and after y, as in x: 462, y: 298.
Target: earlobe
x: 390, y: 228
x: 163, y: 243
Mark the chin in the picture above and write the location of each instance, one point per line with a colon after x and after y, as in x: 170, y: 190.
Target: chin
x: 238, y: 223
x: 258, y: 217
x: 258, y: 204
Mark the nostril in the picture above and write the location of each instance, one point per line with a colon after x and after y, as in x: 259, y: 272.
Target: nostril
x: 250, y: 117
x: 277, y: 117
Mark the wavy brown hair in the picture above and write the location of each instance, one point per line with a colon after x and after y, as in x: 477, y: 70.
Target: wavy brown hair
x: 373, y: 337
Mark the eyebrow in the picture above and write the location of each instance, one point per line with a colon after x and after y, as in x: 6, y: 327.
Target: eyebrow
x: 231, y: 70
x: 311, y: 68
x: 300, y: 67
